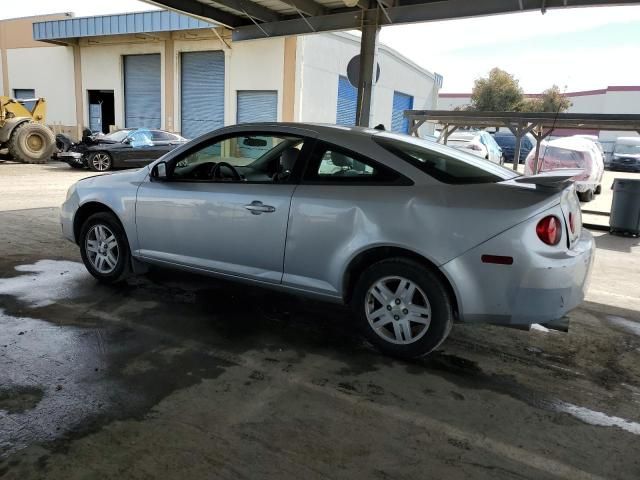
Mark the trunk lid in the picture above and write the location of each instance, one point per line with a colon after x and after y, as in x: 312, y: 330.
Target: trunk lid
x: 562, y: 181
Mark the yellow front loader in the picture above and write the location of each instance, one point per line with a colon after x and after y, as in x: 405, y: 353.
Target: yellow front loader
x: 22, y: 130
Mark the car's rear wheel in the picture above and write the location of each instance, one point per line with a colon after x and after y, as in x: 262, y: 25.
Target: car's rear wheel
x: 402, y: 307
x: 104, y: 248
x: 100, y: 162
x: 598, y: 190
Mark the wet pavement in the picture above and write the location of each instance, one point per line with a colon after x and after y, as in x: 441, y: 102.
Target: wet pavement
x: 180, y: 376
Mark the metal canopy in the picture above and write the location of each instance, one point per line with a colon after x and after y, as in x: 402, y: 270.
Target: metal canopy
x: 584, y: 121
x: 540, y: 125
x: 252, y: 19
x: 255, y: 19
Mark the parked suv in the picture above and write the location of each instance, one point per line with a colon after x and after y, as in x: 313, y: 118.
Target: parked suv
x: 507, y: 142
x: 626, y: 154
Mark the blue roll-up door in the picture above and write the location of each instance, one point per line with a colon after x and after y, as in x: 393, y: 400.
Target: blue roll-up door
x: 142, y: 91
x: 401, y: 102
x: 201, y: 92
x: 347, y: 102
x: 257, y: 106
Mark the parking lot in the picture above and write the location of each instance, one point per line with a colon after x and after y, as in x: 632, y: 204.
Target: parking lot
x: 180, y: 376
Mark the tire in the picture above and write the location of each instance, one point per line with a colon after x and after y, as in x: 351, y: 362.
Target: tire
x: 94, y: 236
x: 100, y: 162
x: 598, y: 190
x: 585, y: 196
x: 76, y: 166
x: 430, y: 303
x: 31, y: 142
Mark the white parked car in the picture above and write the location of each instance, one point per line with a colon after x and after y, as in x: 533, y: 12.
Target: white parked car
x: 572, y: 153
x: 479, y: 143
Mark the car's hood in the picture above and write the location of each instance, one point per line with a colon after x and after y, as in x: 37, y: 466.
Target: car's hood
x: 635, y: 156
x: 120, y: 177
x: 103, y: 144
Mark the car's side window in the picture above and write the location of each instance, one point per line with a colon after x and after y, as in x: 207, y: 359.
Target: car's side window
x: 332, y: 164
x: 246, y: 157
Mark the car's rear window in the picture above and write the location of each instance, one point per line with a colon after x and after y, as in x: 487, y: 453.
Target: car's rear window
x: 443, y: 163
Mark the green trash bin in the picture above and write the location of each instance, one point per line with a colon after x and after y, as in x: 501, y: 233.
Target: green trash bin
x: 625, y: 207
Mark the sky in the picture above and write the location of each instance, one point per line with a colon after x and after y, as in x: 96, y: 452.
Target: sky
x: 576, y: 49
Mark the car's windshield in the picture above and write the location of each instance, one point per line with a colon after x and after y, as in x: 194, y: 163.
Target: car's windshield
x: 118, y: 136
x: 443, y: 163
x: 627, y: 149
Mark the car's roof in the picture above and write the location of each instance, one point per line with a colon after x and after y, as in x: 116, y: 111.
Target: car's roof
x: 318, y: 128
x: 628, y: 140
x: 572, y: 143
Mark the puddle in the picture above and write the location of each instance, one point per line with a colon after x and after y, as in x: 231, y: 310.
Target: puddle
x: 19, y: 398
x: 47, y: 281
x: 597, y: 418
x: 59, y: 382
x: 628, y: 326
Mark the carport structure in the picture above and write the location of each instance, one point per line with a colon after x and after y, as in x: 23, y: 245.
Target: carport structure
x: 540, y: 125
x: 255, y: 19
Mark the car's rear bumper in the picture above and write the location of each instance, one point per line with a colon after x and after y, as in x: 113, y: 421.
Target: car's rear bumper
x: 536, y: 288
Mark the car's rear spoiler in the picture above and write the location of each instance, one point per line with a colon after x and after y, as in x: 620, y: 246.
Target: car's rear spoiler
x: 556, y: 179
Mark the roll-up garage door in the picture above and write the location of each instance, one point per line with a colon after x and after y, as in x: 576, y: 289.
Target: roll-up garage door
x: 142, y: 91
x: 347, y: 102
x: 257, y: 106
x: 401, y: 102
x: 202, y: 92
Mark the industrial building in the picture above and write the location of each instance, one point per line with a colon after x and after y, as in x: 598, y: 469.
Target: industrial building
x: 165, y: 70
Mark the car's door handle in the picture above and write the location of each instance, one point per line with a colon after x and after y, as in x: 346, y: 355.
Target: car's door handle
x: 256, y: 207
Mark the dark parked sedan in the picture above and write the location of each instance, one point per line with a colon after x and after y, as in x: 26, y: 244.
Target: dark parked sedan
x: 130, y: 148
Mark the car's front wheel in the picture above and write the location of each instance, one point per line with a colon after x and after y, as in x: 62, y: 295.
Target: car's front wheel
x: 403, y: 308
x: 104, y: 248
x: 100, y: 162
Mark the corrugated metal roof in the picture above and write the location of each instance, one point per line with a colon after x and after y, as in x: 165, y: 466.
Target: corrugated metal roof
x: 139, y: 22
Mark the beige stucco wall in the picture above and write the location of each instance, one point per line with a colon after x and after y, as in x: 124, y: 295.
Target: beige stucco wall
x: 102, y: 69
x: 49, y: 71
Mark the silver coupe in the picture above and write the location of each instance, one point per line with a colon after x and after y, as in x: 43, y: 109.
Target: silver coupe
x: 413, y: 235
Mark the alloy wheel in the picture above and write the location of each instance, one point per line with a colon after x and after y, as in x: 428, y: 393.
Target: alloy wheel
x: 102, y: 249
x: 398, y: 310
x: 101, y: 162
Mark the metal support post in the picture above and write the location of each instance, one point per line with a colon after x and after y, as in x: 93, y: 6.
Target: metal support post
x: 368, y: 56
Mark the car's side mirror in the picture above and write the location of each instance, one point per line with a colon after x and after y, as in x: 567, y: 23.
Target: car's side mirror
x: 159, y: 171
x: 127, y: 140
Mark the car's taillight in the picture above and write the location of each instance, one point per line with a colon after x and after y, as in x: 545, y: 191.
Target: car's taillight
x: 549, y: 230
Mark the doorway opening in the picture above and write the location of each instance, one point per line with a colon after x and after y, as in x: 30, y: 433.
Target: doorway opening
x: 101, y: 110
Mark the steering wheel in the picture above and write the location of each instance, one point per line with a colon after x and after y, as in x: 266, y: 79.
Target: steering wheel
x: 204, y: 171
x: 216, y: 173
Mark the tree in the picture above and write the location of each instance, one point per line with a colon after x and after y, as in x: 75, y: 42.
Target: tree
x: 551, y: 100
x: 499, y: 92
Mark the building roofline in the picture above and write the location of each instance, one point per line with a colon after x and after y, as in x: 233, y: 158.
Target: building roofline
x: 354, y: 38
